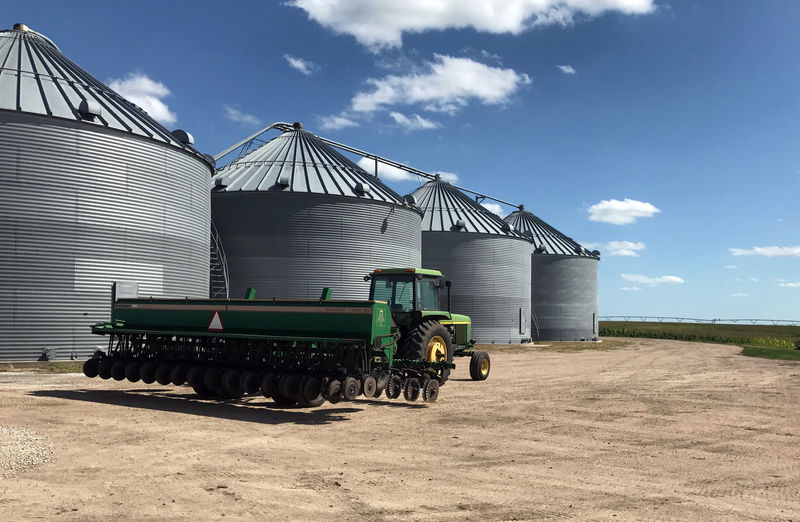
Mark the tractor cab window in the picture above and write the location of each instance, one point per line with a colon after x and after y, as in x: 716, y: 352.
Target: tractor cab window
x: 398, y: 291
x: 428, y: 293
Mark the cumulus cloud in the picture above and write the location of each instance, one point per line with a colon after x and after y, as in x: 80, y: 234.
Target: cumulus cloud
x: 788, y: 284
x: 388, y: 172
x: 617, y: 248
x: 494, y: 208
x: 381, y: 25
x: 653, y: 281
x: 739, y: 294
x: 305, y: 67
x: 567, y: 69
x: 447, y: 176
x: 237, y: 116
x: 630, y: 288
x: 148, y: 94
x: 415, y: 122
x: 446, y: 84
x: 336, y: 122
x: 621, y: 212
x: 770, y: 251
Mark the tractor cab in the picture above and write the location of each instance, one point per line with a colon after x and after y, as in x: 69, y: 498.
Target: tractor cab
x: 413, y: 294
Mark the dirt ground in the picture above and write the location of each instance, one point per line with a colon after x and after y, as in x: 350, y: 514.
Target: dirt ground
x: 653, y: 430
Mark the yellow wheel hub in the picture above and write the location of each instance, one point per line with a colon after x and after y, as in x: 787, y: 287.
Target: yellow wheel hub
x: 484, y: 366
x: 437, y: 349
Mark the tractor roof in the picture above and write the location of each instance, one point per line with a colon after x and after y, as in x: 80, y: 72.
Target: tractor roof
x: 421, y: 271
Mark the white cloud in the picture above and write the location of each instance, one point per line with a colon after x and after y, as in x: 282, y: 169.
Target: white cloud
x: 653, y: 281
x: 147, y: 94
x: 303, y: 66
x: 237, y: 116
x: 445, y: 85
x: 731, y: 267
x: 617, y: 248
x: 415, y: 122
x: 336, y: 122
x: 381, y: 25
x: 495, y: 208
x: 447, y: 176
x: 739, y: 294
x: 770, y: 251
x: 755, y: 279
x: 630, y: 288
x: 788, y: 284
x: 621, y: 212
x: 567, y: 69
x: 388, y: 172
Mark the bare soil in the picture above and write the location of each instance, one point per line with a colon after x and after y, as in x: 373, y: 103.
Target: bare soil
x: 650, y: 430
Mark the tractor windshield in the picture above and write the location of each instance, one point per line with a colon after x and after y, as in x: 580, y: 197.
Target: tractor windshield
x: 397, y: 290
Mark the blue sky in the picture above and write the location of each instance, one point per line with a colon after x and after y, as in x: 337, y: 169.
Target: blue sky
x: 663, y: 133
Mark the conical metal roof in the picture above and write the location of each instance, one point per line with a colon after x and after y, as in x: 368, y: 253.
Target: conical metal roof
x: 298, y: 161
x: 448, y: 209
x: 546, y: 239
x: 35, y: 77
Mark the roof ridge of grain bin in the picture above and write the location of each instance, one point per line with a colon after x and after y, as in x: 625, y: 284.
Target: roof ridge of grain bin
x: 487, y: 260
x: 295, y: 215
x: 102, y: 193
x: 564, y: 281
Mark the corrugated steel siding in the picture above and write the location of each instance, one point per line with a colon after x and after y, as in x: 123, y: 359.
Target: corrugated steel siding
x: 564, y: 297
x: 81, y: 207
x: 292, y: 245
x: 544, y: 236
x: 491, y: 281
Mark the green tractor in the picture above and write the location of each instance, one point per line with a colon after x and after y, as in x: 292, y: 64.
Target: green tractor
x: 427, y: 332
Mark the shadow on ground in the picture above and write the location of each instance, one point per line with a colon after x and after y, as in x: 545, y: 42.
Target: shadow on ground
x: 245, y: 410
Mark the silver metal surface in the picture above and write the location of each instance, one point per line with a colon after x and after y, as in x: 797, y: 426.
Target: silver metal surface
x: 292, y: 245
x: 297, y: 161
x: 491, y: 281
x: 218, y: 283
x: 564, y: 297
x: 488, y: 262
x: 88, y: 199
x: 544, y: 235
x: 35, y: 77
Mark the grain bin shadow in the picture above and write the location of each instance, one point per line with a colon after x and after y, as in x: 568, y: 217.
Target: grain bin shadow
x: 247, y: 410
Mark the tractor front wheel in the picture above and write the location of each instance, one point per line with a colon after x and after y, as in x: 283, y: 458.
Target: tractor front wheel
x: 479, y: 365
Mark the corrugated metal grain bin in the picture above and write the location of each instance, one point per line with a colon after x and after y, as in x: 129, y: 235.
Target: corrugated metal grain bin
x: 295, y: 216
x: 488, y: 262
x: 94, y: 191
x: 564, y: 297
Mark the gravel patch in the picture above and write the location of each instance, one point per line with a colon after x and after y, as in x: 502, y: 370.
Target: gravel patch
x: 21, y: 450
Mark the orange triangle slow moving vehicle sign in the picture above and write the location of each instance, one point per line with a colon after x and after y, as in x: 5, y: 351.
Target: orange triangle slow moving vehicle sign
x: 216, y: 323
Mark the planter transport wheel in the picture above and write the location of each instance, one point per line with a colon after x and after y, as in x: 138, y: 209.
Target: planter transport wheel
x: 350, y: 389
x: 369, y: 386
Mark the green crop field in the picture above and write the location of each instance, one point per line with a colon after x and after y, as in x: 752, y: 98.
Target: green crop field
x: 774, y: 342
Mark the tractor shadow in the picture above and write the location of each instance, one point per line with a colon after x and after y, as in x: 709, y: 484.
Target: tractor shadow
x: 249, y: 409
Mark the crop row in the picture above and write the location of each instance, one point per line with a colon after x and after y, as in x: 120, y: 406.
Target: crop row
x: 770, y: 342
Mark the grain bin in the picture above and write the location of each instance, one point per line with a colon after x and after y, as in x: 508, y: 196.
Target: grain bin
x: 487, y: 261
x: 563, y: 282
x: 94, y: 191
x: 295, y: 216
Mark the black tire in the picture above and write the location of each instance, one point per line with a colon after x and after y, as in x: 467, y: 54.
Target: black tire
x: 394, y: 388
x: 334, y: 391
x: 231, y: 381
x: 382, y: 382
x: 164, y: 374
x: 269, y: 385
x: 430, y: 391
x: 133, y: 371
x: 90, y: 367
x: 310, y: 388
x: 369, y: 386
x: 213, y: 380
x: 179, y: 374
x: 411, y: 389
x: 350, y: 389
x: 289, y: 386
x: 283, y: 400
x: 418, y: 339
x: 251, y: 382
x: 479, y: 366
x: 196, y: 379
x: 118, y: 370
x: 104, y: 368
x: 147, y: 371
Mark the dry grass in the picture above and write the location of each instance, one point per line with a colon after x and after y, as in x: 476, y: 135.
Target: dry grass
x: 43, y: 367
x: 555, y: 346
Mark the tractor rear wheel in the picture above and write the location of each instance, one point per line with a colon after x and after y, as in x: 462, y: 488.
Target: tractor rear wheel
x: 479, y: 365
x: 429, y: 341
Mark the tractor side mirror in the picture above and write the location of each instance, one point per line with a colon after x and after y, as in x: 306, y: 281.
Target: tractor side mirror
x: 367, y: 277
x: 448, y: 284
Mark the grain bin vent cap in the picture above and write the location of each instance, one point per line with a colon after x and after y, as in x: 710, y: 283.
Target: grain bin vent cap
x: 40, y: 80
x: 446, y: 208
x: 547, y: 239
x: 298, y: 161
